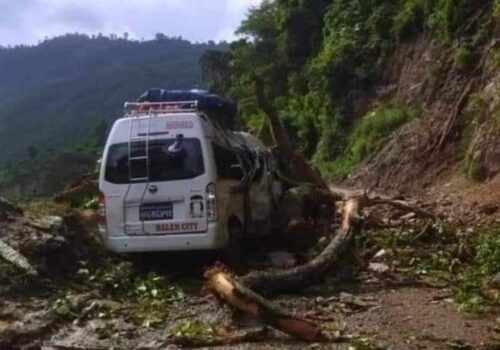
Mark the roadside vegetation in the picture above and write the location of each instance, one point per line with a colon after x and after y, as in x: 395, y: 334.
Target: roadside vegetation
x: 317, y: 72
x: 478, y: 290
x: 369, y: 134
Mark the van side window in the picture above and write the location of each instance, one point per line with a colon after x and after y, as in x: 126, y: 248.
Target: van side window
x: 227, y: 164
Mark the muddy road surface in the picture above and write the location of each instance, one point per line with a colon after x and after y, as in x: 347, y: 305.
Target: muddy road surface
x: 85, y: 298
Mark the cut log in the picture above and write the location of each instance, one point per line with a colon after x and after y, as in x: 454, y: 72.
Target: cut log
x: 237, y: 294
x: 234, y: 293
x: 17, y: 259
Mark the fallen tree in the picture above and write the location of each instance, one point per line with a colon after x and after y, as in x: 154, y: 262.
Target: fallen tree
x: 239, y: 295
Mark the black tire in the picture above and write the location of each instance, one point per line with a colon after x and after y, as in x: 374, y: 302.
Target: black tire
x: 234, y: 252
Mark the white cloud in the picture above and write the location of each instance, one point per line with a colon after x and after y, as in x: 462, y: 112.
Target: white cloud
x: 27, y: 21
x: 239, y: 6
x: 235, y: 13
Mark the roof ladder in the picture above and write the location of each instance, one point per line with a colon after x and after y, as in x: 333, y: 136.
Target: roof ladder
x: 141, y: 160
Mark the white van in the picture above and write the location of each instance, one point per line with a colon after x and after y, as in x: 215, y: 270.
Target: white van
x: 173, y: 179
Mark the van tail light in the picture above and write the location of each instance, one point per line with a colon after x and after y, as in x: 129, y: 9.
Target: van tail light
x: 102, y: 210
x: 211, y: 203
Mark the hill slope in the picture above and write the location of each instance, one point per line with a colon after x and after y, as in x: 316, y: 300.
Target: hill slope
x: 417, y: 80
x: 58, y: 92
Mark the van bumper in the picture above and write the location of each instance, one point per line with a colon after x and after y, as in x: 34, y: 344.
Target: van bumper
x: 215, y: 238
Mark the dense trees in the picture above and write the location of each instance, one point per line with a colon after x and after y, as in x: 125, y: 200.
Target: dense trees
x: 68, y: 89
x: 318, y: 57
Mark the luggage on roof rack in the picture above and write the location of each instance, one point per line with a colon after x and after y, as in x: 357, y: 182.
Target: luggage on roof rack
x: 216, y: 108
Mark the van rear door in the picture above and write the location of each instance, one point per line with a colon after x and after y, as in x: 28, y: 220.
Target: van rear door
x: 166, y: 192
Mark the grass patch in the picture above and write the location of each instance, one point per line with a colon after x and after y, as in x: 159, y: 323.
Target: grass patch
x: 477, y: 113
x: 476, y: 277
x: 495, y: 56
x: 472, y: 167
x: 410, y: 19
x: 464, y: 57
x: 368, y: 136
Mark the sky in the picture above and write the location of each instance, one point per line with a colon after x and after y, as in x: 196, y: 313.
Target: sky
x: 28, y: 21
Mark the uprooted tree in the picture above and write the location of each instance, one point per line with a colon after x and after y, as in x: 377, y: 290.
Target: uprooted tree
x: 241, y: 292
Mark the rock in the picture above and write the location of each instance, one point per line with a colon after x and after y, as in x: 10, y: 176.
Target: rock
x: 378, y: 268
x: 282, y: 260
x: 48, y: 224
x: 53, y: 221
x: 23, y: 326
x: 380, y: 254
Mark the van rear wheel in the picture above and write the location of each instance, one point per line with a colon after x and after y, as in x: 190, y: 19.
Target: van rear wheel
x: 234, y: 251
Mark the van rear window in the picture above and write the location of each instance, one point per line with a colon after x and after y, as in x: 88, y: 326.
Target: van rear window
x: 167, y: 161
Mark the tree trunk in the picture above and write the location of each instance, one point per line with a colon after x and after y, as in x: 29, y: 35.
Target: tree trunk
x: 298, y: 168
x: 234, y: 293
x: 307, y: 274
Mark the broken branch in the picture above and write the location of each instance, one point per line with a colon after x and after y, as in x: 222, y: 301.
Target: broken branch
x: 252, y: 336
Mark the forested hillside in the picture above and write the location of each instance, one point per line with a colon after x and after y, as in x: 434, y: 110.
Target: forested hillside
x: 67, y: 90
x: 346, y: 74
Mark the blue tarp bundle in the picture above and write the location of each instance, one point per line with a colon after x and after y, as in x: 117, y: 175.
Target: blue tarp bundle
x: 218, y: 109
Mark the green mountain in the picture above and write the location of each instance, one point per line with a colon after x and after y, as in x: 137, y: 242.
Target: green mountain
x: 66, y: 89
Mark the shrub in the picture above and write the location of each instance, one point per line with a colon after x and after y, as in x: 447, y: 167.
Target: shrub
x: 475, y: 278
x: 410, y: 19
x: 448, y: 15
x: 464, y: 57
x: 368, y: 135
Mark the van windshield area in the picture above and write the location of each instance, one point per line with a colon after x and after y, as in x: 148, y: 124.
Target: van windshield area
x: 168, y: 160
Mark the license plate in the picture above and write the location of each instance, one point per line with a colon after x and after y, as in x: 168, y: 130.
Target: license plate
x: 156, y: 211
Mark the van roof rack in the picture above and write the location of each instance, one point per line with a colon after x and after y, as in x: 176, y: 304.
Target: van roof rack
x: 134, y: 109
